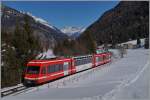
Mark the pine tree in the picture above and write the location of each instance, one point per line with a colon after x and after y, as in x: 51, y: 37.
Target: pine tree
x: 10, y: 69
x: 146, y: 45
x: 19, y: 47
x: 138, y: 42
x: 27, y: 46
x: 31, y: 44
x: 89, y: 42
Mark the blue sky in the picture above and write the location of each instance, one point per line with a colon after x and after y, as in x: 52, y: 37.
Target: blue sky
x: 61, y: 13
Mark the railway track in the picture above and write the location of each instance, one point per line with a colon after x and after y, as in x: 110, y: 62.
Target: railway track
x: 13, y: 91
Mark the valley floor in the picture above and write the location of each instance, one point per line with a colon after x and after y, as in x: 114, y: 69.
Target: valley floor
x: 125, y: 78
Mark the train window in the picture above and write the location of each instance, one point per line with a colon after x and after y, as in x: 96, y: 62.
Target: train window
x: 83, y: 60
x: 43, y: 70
x: 60, y: 67
x: 90, y: 60
x: 56, y: 67
x: 66, y: 65
x: 87, y: 60
x: 51, y: 69
x: 33, y: 69
x: 48, y: 69
x: 100, y: 58
x: 75, y: 63
x: 80, y: 62
x: 97, y: 60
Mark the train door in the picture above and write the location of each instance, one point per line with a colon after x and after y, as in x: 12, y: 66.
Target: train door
x: 105, y: 58
x: 72, y: 66
x: 97, y: 61
x: 93, y: 61
x: 66, y: 67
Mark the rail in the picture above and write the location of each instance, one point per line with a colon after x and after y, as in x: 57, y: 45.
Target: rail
x: 12, y: 91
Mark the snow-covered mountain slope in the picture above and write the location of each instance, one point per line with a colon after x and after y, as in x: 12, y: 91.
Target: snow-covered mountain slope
x: 100, y: 83
x: 42, y: 21
x: 47, y: 34
x: 71, y: 31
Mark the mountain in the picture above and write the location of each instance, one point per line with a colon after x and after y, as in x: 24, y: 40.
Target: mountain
x: 24, y: 38
x: 72, y: 32
x: 129, y: 20
x: 48, y: 35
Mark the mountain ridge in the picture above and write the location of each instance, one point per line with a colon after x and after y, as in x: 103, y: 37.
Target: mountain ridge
x: 73, y: 32
x: 127, y: 20
x: 48, y: 35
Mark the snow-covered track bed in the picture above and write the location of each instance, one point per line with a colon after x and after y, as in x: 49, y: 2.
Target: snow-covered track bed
x: 12, y: 91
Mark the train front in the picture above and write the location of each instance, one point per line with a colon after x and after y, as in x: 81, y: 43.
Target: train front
x: 31, y: 75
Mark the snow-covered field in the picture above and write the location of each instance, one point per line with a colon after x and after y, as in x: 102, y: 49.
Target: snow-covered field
x: 125, y: 78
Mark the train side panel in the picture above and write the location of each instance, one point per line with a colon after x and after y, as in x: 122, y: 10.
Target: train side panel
x: 47, y: 70
x: 98, y: 59
x: 83, y: 63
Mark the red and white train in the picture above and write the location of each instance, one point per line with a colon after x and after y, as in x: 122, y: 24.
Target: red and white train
x: 41, y: 71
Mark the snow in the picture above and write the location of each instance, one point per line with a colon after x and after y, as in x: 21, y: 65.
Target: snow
x: 72, y: 30
x: 137, y: 88
x: 47, y: 54
x: 134, y: 42
x: 42, y: 21
x: 125, y: 78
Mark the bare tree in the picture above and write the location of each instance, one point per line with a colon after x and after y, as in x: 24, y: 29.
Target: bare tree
x: 122, y: 51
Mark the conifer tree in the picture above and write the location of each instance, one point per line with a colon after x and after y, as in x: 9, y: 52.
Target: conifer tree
x: 146, y: 45
x: 138, y: 42
x: 31, y: 44
x: 88, y: 41
x: 25, y: 44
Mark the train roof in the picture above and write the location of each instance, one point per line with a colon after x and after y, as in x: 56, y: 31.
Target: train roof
x: 104, y: 53
x: 47, y: 61
x: 85, y: 56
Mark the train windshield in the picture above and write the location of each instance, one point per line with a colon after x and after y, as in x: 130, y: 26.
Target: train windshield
x: 33, y: 69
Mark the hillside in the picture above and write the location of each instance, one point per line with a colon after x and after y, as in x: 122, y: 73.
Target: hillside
x: 47, y: 34
x: 127, y: 21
